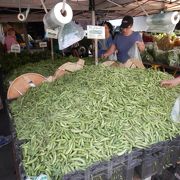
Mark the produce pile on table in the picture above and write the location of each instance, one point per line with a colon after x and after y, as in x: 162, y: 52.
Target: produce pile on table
x: 11, y: 61
x: 165, y: 49
x: 165, y: 41
x: 43, y: 67
x: 91, y: 115
x: 153, y: 54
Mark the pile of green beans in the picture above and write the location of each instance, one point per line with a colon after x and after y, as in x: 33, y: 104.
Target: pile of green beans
x: 91, y: 115
x: 43, y: 67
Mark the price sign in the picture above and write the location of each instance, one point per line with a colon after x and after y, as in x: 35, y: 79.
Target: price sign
x: 42, y: 44
x: 15, y: 48
x: 95, y: 32
x: 52, y: 33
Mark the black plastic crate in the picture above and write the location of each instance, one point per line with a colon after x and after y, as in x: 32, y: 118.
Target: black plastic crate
x: 18, y: 156
x: 98, y: 171
x: 79, y: 175
x: 153, y: 159
x: 17, y: 150
x: 146, y: 162
x: 117, y: 168
x: 124, y: 169
x: 173, y: 152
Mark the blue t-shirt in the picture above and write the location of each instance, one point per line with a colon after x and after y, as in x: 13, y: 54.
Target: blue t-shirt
x: 124, y: 43
x: 103, y: 45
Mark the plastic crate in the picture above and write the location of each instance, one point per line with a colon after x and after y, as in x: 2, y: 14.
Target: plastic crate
x: 117, y: 168
x: 173, y: 152
x: 17, y: 151
x: 146, y: 162
x: 152, y: 160
x: 124, y: 169
x: 78, y: 175
x: 18, y: 156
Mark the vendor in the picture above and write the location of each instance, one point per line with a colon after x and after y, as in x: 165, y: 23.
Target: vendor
x: 30, y: 40
x: 105, y: 44
x: 10, y: 39
x: 125, y: 40
x: 171, y: 83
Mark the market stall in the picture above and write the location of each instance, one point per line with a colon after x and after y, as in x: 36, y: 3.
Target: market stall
x: 108, y: 125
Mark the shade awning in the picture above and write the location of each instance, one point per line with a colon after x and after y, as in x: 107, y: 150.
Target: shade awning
x: 105, y: 9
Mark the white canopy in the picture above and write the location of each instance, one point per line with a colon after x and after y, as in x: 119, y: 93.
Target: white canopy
x: 105, y: 9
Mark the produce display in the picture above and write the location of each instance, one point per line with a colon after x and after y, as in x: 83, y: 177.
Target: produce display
x: 90, y: 116
x: 154, y: 54
x: 43, y: 67
x: 164, y: 49
x: 11, y: 61
x: 165, y: 41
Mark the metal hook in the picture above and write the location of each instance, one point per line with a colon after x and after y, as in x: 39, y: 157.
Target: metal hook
x: 63, y: 7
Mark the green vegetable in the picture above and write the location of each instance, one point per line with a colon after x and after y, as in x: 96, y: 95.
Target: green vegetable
x: 43, y: 67
x: 147, y: 57
x: 91, y: 115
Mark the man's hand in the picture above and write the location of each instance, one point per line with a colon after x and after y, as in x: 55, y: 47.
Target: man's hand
x: 140, y: 45
x: 110, y: 51
x: 170, y: 83
x: 105, y: 55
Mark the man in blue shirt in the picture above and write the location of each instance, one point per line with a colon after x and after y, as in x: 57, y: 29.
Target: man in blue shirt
x: 125, y: 40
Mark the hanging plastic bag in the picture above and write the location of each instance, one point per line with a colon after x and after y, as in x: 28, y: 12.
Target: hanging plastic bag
x: 134, y: 52
x: 163, y: 22
x: 70, y: 34
x: 113, y: 57
x: 175, y: 113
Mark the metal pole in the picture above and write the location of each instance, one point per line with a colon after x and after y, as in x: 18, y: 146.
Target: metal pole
x: 52, y: 49
x: 26, y: 36
x: 92, y: 8
x: 95, y: 41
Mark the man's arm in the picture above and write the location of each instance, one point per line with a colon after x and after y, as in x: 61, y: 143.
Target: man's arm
x: 140, y: 45
x: 110, y: 51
